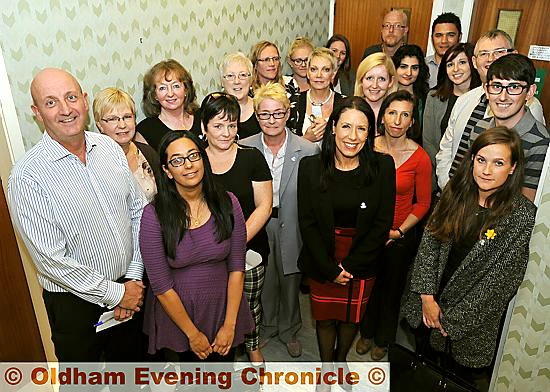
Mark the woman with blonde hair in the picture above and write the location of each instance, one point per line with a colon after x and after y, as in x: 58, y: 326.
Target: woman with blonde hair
x: 236, y: 72
x: 266, y: 59
x: 115, y: 116
x: 376, y: 79
x: 310, y: 110
x: 169, y: 102
x: 297, y: 56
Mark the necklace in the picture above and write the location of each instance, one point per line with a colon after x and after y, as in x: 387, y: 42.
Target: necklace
x: 195, y: 220
x: 321, y: 103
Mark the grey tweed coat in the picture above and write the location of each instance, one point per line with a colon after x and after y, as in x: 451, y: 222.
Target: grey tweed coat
x: 477, y: 295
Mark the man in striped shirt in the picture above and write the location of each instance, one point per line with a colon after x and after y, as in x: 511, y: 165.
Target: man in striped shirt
x: 78, y: 209
x: 510, y: 84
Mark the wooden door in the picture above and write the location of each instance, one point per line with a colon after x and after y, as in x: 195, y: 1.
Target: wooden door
x: 361, y: 20
x: 532, y: 30
x: 19, y: 334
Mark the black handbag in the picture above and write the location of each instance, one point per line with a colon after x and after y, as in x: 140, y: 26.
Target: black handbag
x: 411, y: 371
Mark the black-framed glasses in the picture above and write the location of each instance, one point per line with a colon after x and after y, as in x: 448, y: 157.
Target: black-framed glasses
x: 485, y: 54
x: 511, y: 89
x: 274, y: 59
x: 179, y: 161
x: 277, y: 115
x: 127, y: 118
x: 299, y: 62
x: 389, y: 26
x: 240, y: 76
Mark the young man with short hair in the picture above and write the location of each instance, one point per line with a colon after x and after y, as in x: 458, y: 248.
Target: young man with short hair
x: 446, y: 32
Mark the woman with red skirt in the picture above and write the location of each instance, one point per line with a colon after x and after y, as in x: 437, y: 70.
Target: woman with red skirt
x: 346, y: 198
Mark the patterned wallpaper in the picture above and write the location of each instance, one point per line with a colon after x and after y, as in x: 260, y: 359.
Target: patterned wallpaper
x: 525, y: 364
x: 113, y: 42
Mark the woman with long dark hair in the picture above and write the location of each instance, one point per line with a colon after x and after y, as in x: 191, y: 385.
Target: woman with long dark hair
x: 455, y: 77
x: 413, y: 75
x: 193, y: 241
x: 345, y: 205
x: 243, y: 171
x: 396, y: 128
x: 344, y: 81
x: 474, y: 252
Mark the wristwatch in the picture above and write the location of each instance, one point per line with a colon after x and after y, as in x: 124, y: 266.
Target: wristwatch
x: 400, y: 232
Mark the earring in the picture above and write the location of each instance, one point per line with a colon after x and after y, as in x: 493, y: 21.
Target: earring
x: 237, y: 138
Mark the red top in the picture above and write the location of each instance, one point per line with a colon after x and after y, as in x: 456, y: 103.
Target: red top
x: 413, y: 182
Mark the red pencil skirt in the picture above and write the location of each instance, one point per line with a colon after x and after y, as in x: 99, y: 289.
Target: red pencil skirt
x: 332, y: 301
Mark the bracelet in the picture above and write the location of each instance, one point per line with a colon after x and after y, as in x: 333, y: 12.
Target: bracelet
x: 401, y: 232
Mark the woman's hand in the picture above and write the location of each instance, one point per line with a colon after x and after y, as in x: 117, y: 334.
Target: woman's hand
x: 343, y: 278
x: 316, y: 130
x: 224, y: 340
x: 431, y: 313
x: 199, y: 345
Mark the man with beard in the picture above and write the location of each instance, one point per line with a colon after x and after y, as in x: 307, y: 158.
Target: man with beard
x: 394, y: 30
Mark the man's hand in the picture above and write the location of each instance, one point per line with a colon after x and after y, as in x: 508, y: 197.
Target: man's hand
x: 122, y: 314
x: 133, y: 295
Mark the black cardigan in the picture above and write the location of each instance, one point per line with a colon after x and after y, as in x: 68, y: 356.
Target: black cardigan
x: 374, y: 220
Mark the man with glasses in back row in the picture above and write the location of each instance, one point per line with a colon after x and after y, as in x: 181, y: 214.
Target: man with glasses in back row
x: 395, y: 27
x: 472, y: 107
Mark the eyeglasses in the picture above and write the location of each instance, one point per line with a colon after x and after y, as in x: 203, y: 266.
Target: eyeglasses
x: 232, y: 77
x: 397, y: 26
x: 298, y: 62
x: 274, y: 59
x: 485, y: 54
x: 179, y: 161
x: 277, y: 115
x: 511, y: 89
x: 127, y: 118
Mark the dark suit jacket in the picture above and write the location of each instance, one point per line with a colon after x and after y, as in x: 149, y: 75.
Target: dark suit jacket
x: 298, y: 103
x: 477, y: 295
x: 374, y: 220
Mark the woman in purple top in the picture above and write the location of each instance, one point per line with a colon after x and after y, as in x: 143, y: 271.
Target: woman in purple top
x: 193, y: 241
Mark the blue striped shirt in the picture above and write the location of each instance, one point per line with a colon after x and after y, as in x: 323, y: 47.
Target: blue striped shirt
x: 79, y: 221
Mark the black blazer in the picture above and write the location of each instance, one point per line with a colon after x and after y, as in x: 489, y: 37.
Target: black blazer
x: 374, y: 220
x: 298, y: 103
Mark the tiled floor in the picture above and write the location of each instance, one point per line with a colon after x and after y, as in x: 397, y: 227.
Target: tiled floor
x: 276, y: 350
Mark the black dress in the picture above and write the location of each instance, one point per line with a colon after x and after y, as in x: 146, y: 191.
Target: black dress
x: 249, y: 127
x: 153, y: 129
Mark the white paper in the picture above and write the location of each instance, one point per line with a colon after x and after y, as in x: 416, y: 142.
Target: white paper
x: 537, y: 52
x: 253, y: 259
x: 108, y: 319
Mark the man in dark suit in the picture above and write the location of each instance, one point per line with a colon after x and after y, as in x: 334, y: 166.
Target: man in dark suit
x: 283, y: 151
